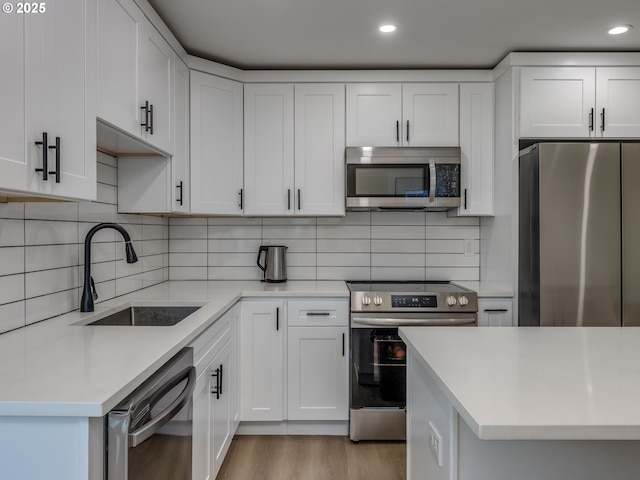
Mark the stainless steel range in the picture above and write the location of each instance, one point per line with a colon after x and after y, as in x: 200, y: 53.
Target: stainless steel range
x: 378, y: 355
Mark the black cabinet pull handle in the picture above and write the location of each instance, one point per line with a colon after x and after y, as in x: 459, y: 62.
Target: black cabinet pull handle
x: 45, y: 151
x: 495, y: 310
x: 289, y: 199
x: 56, y: 147
x: 602, y: 117
x: 277, y: 318
x: 591, y: 121
x: 217, y: 374
x: 240, y: 204
x: 179, y: 186
x: 299, y: 199
x: 465, y: 198
x: 318, y: 314
x: 151, y: 117
x: 407, y: 130
x: 398, y: 131
x: 146, y: 116
x: 343, y: 344
x: 220, y: 378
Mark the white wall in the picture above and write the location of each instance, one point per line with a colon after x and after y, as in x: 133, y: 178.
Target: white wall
x: 359, y: 246
x: 42, y: 253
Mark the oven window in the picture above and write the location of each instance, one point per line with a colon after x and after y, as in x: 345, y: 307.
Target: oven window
x: 388, y: 180
x: 378, y: 368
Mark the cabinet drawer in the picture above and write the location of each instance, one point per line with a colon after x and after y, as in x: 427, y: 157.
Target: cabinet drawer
x: 210, y: 341
x: 314, y: 312
x: 495, y: 312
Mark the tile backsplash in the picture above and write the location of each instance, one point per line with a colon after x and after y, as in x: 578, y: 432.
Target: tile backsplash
x: 42, y: 253
x: 359, y: 246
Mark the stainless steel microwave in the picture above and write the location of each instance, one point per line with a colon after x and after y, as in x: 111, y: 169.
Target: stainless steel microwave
x: 426, y: 178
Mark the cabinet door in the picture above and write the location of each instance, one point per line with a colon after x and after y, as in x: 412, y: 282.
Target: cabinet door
x: 430, y: 114
x: 318, y: 373
x: 262, y: 328
x: 221, y: 421
x: 156, y: 79
x: 495, y: 312
x: 201, y: 449
x: 618, y: 102
x: 319, y: 149
x: 120, y: 32
x: 13, y: 154
x: 374, y: 115
x: 216, y: 145
x: 180, y: 191
x: 268, y: 149
x: 476, y: 146
x: 557, y: 102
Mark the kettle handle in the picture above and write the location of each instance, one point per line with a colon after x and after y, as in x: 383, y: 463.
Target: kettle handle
x: 262, y: 248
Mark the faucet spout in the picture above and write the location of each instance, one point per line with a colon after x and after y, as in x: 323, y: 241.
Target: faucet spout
x: 86, y: 302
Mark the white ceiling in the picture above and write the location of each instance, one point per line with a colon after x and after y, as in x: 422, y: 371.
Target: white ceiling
x: 302, y: 34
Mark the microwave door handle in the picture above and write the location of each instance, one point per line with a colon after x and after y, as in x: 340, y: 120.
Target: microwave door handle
x: 145, y: 431
x: 432, y: 180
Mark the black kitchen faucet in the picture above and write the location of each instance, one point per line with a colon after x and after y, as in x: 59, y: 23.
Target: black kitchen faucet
x: 89, y: 293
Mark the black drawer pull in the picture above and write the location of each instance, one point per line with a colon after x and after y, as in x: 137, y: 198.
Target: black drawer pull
x: 495, y: 310
x: 318, y: 314
x: 180, y: 187
x: 277, y: 318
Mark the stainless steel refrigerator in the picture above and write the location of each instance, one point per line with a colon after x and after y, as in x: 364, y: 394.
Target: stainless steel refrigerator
x: 579, y: 235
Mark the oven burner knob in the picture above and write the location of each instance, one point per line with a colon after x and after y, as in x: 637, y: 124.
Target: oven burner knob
x: 451, y: 300
x: 463, y: 301
x: 366, y: 300
x: 377, y: 300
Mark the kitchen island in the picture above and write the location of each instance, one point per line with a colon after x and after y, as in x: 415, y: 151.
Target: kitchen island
x: 523, y: 403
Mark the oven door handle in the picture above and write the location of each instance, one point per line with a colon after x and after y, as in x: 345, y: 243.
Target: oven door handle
x: 407, y: 322
x: 148, y: 429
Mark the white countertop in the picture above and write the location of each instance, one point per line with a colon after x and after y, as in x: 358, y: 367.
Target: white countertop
x: 56, y: 368
x: 486, y: 289
x: 536, y: 383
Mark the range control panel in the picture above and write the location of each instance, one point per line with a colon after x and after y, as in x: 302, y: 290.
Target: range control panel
x: 414, y: 301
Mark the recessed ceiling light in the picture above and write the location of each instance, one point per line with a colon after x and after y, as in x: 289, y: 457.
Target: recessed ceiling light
x: 387, y: 28
x: 619, y: 29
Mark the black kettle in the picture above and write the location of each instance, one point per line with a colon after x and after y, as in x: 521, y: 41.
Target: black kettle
x: 275, y: 263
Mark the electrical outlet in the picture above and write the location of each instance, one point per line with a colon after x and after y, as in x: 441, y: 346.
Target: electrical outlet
x: 435, y: 443
x: 469, y: 248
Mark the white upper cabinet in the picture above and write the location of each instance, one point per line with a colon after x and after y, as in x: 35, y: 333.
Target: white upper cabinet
x: 319, y: 149
x: 181, y: 192
x: 134, y: 74
x: 268, y: 149
x: 618, y: 101
x: 420, y: 114
x: 430, y: 114
x: 374, y: 114
x: 216, y: 145
x: 476, y: 148
x: 575, y: 102
x: 294, y: 167
x: 48, y: 101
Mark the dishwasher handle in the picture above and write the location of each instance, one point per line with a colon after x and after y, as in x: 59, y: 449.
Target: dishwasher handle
x: 145, y: 431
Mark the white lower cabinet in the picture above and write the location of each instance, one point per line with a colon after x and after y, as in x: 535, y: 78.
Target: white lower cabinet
x: 262, y: 332
x: 318, y: 373
x: 215, y: 396
x: 495, y: 312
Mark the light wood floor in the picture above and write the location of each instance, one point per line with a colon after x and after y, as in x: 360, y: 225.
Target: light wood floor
x: 268, y: 457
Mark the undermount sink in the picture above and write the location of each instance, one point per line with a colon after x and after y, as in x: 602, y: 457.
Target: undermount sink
x: 154, y: 316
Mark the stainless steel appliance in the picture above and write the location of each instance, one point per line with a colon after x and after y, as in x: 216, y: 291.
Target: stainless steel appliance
x: 275, y: 263
x: 579, y: 261
x: 403, y: 177
x: 149, y: 434
x: 378, y: 355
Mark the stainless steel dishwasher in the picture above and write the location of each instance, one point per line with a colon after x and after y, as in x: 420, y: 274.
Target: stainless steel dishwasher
x: 149, y: 434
